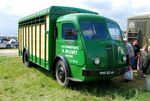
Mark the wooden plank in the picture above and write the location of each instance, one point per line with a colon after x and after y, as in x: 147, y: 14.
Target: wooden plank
x: 42, y: 41
x: 19, y: 31
x: 47, y: 23
x: 19, y: 35
x: 27, y: 37
x: 20, y: 39
x: 30, y: 40
x: 24, y: 36
x: 37, y: 40
x: 33, y: 40
x: 35, y: 45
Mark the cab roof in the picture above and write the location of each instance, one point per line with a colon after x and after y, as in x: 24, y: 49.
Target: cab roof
x: 83, y: 16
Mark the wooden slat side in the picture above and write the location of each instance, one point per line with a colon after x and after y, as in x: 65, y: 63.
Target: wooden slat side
x: 37, y: 40
x: 33, y: 40
x: 42, y: 41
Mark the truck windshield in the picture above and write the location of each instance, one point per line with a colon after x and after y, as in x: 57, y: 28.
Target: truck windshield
x: 114, y: 31
x: 93, y: 30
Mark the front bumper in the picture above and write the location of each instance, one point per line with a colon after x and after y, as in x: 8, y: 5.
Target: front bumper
x: 99, y: 72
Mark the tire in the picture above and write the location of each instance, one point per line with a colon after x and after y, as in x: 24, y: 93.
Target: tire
x: 8, y: 46
x: 61, y: 74
x: 26, y: 59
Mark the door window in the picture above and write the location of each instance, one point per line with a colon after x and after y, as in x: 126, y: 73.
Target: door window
x: 69, y: 31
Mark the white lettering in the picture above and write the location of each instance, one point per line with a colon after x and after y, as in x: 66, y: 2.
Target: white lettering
x: 69, y: 56
x: 71, y: 52
x: 72, y: 47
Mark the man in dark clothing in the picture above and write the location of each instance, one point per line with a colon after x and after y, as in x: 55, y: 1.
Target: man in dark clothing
x: 136, y: 49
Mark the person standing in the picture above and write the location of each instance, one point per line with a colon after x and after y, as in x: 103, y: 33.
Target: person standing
x: 128, y: 75
x: 136, y: 49
x: 129, y: 53
x: 146, y: 63
x: 141, y: 59
x: 144, y: 52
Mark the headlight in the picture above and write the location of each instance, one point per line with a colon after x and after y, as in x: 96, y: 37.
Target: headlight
x: 96, y: 60
x: 124, y: 58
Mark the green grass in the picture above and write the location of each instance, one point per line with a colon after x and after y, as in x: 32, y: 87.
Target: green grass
x: 19, y: 83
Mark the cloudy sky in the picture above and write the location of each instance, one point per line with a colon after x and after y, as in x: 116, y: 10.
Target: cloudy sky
x: 119, y: 10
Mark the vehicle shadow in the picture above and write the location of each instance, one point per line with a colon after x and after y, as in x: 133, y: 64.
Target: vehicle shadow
x: 42, y: 70
x: 110, y: 88
x: 105, y: 88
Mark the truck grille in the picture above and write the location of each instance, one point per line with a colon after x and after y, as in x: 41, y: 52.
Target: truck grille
x: 109, y: 57
x: 116, y: 55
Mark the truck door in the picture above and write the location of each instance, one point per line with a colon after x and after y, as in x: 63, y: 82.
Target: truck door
x: 69, y: 44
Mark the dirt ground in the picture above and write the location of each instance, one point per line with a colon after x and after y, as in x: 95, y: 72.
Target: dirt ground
x: 8, y: 52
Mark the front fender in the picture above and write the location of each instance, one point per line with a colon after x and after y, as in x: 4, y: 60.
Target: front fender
x: 67, y: 66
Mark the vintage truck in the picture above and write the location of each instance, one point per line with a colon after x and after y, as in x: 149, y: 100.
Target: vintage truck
x: 74, y: 44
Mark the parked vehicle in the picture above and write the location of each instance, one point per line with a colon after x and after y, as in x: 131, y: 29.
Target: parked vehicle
x: 14, y: 43
x: 5, y: 45
x: 9, y: 44
x: 138, y: 28
x: 74, y: 44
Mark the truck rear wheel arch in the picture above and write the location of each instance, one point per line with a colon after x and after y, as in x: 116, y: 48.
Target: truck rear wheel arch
x: 57, y: 58
x: 24, y: 50
x: 25, y: 58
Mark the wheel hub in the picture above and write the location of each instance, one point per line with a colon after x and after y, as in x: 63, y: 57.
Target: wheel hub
x: 61, y: 74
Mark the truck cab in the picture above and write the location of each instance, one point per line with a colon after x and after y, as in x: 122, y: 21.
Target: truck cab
x: 92, y: 45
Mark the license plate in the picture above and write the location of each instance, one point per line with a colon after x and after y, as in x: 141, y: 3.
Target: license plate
x: 106, y: 72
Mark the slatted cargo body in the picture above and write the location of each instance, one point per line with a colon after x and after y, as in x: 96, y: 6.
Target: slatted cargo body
x: 33, y: 35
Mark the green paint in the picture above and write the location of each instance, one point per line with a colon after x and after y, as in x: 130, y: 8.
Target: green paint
x: 81, y: 52
x: 39, y: 61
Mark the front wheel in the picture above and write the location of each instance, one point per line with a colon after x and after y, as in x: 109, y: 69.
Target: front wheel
x: 61, y: 74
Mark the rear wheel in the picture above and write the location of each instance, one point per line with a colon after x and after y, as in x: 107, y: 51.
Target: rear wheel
x: 26, y: 59
x: 61, y: 74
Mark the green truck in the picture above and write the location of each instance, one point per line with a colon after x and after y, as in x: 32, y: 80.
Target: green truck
x: 74, y: 44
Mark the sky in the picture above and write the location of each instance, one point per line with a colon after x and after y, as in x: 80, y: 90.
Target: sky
x: 119, y: 10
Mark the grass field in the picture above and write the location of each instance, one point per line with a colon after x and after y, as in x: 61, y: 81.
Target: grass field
x: 18, y: 83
